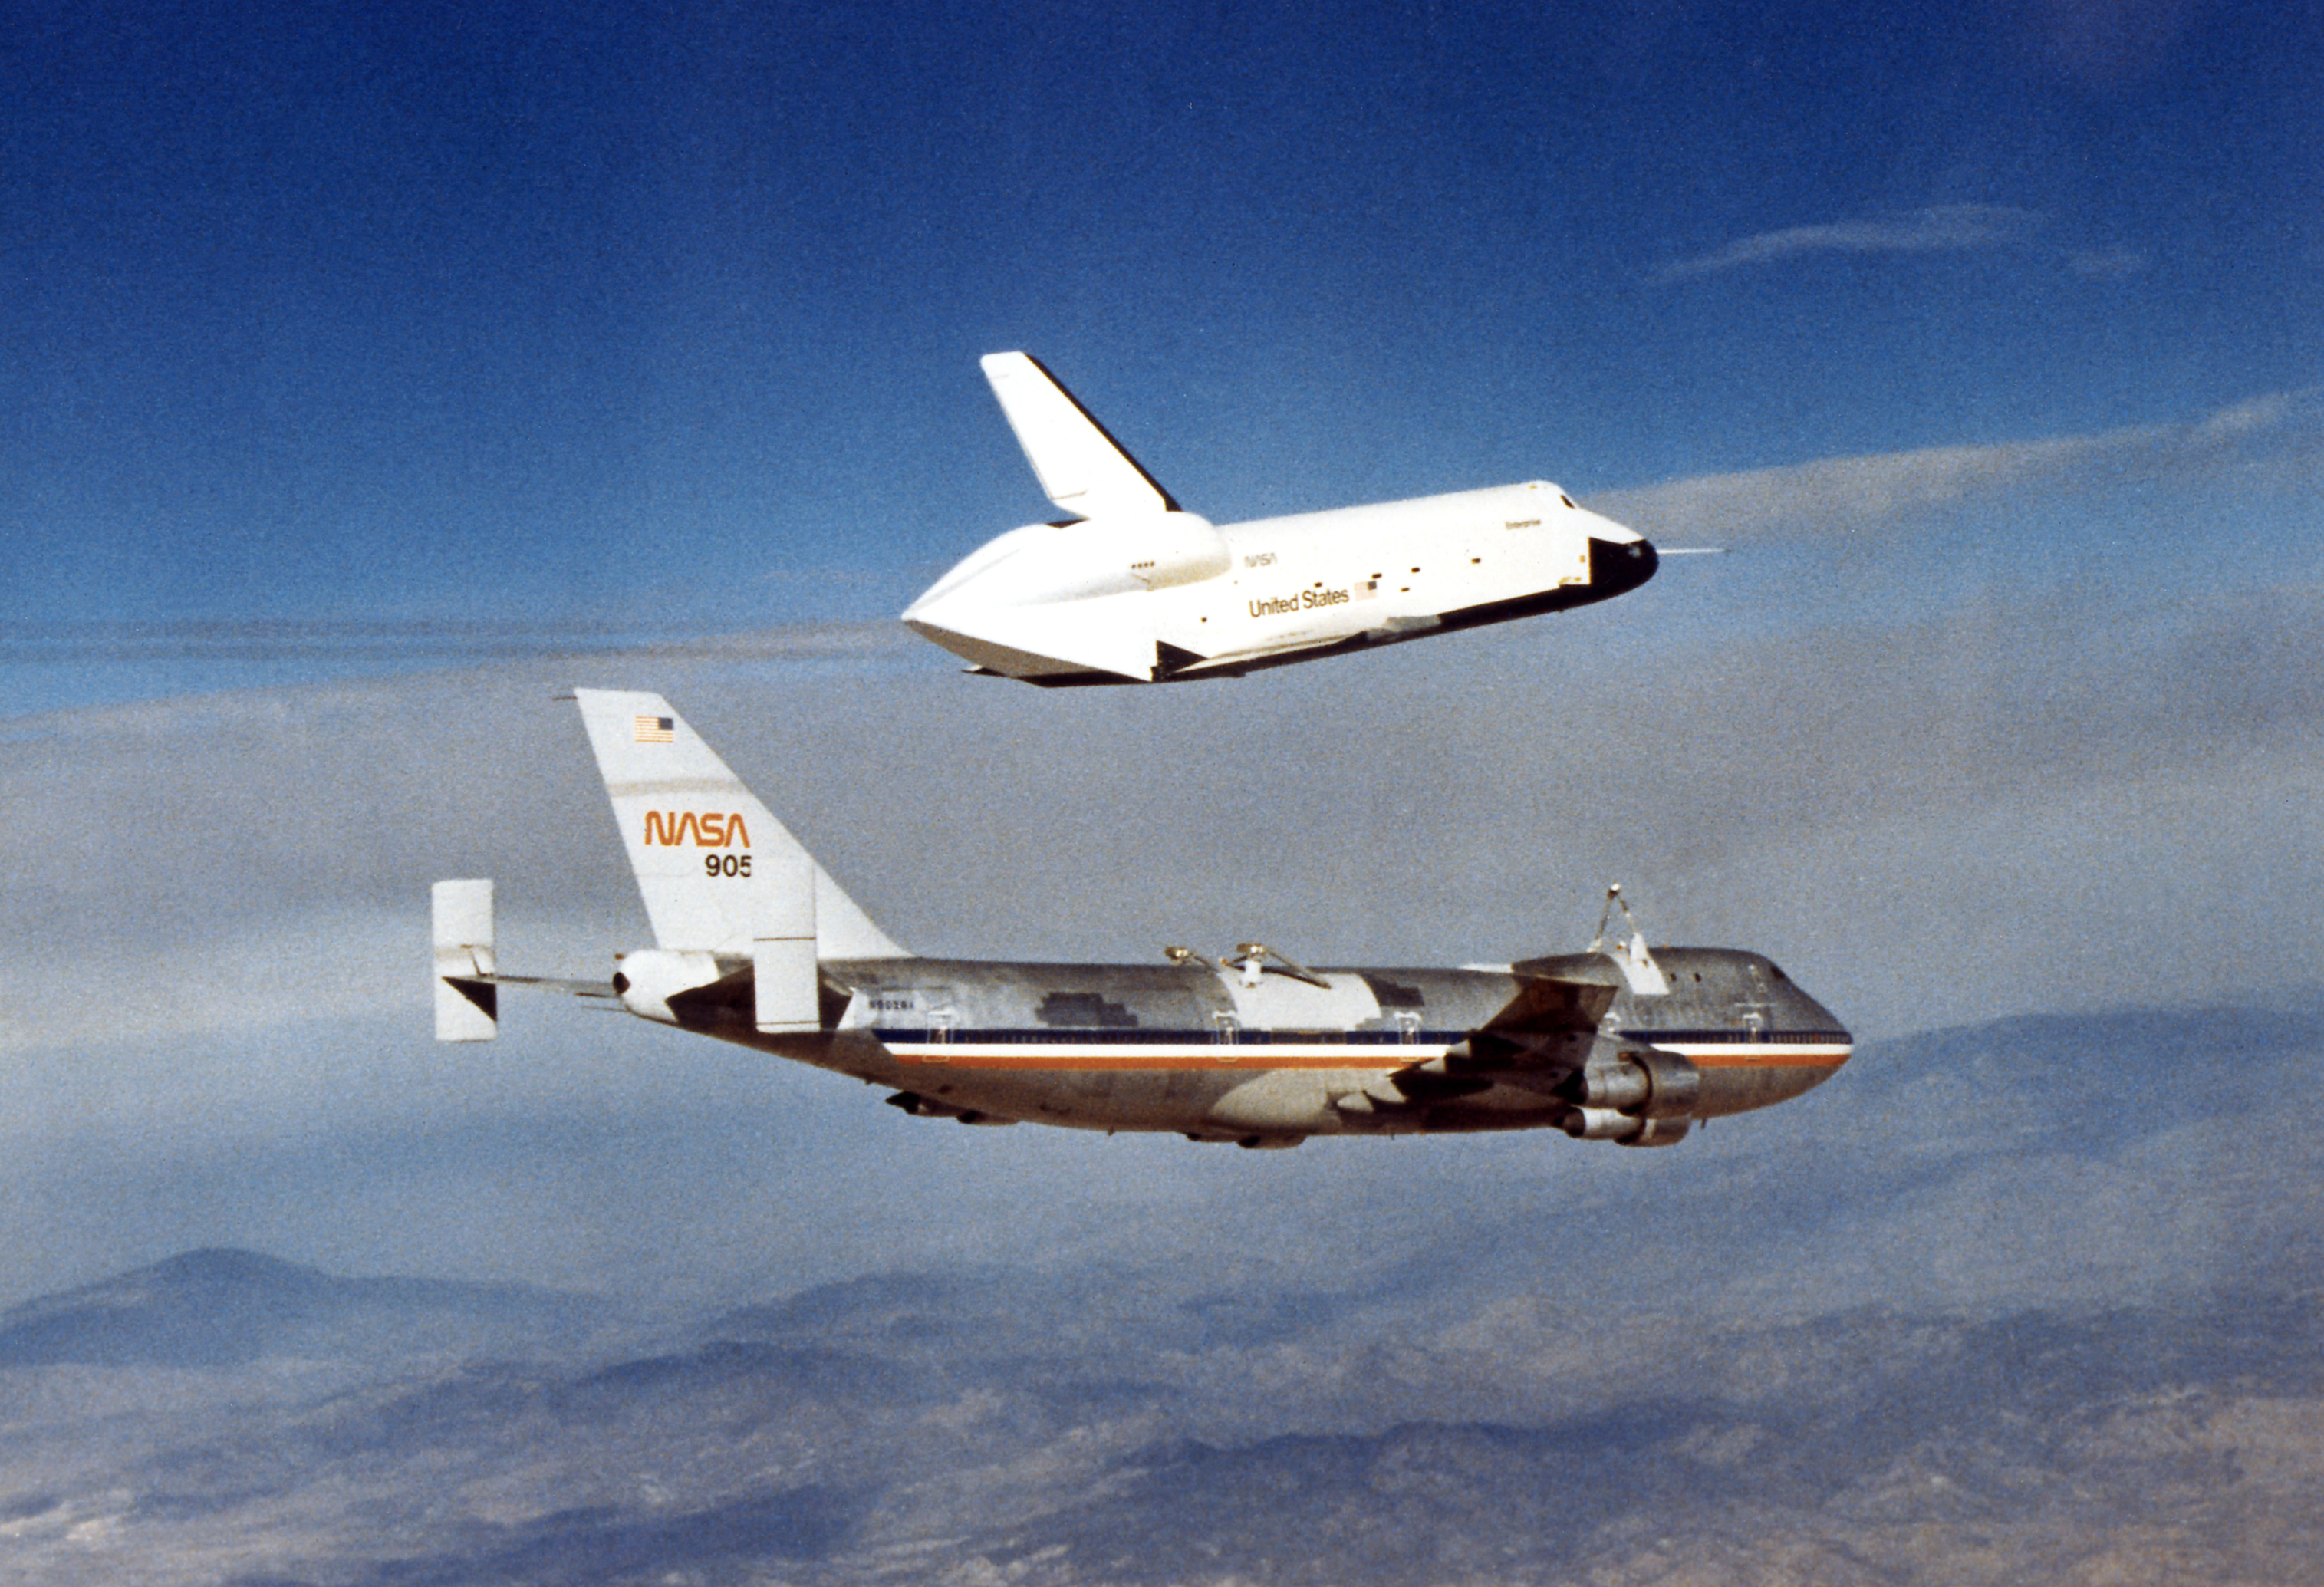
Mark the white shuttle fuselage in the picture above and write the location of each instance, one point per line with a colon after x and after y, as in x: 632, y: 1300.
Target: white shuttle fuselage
x: 1137, y: 590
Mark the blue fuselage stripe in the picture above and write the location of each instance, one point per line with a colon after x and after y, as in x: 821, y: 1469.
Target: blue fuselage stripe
x: 1017, y: 1036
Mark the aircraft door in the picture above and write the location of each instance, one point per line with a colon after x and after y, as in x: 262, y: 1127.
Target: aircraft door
x: 909, y: 1011
x: 1282, y: 1002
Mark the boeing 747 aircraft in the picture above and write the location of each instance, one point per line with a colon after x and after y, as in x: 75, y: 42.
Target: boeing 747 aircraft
x: 1132, y: 588
x: 753, y: 944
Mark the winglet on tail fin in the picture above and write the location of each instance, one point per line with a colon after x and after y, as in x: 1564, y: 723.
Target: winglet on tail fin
x: 461, y: 926
x: 1082, y: 468
x: 717, y: 872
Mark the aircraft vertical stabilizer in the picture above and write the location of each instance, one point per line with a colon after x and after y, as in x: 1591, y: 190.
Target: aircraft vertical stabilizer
x: 467, y: 1004
x: 1082, y: 468
x: 717, y: 872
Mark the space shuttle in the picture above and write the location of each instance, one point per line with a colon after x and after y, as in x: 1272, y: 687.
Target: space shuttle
x: 1130, y: 587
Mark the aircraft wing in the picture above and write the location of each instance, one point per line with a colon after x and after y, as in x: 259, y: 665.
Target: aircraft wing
x: 1082, y: 468
x: 1548, y: 1008
x: 1539, y: 1038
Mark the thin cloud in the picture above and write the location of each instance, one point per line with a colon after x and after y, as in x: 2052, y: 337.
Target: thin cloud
x: 2283, y: 432
x: 242, y: 869
x: 2107, y: 264
x: 1937, y: 228
x: 420, y: 641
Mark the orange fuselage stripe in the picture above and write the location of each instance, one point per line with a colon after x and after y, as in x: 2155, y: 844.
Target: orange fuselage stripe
x: 1013, y: 1055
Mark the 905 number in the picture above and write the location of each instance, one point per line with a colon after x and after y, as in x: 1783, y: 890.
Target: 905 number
x: 726, y: 864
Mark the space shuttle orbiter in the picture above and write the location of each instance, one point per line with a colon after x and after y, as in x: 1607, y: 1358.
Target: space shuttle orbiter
x: 1132, y: 588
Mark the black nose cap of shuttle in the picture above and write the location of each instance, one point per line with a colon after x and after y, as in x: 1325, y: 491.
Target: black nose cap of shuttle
x: 1619, y: 567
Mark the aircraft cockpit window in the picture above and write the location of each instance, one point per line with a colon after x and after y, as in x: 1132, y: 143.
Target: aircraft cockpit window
x: 1567, y: 500
x: 1776, y: 970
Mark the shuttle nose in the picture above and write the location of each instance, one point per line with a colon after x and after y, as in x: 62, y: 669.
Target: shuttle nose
x: 1619, y: 567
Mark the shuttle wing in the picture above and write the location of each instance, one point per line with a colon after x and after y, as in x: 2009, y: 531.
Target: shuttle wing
x: 1082, y: 468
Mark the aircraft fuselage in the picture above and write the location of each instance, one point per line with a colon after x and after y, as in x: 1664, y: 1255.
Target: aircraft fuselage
x: 1173, y: 598
x: 756, y: 944
x: 1132, y: 588
x: 1216, y: 1055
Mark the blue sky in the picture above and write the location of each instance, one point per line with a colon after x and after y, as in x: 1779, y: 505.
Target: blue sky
x: 368, y: 376
x: 654, y: 321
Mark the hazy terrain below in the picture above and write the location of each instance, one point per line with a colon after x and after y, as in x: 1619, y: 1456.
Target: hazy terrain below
x: 2034, y: 1301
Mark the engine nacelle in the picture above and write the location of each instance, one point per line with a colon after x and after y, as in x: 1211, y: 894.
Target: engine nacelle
x: 648, y: 979
x: 1625, y: 1129
x: 1659, y: 1132
x: 1601, y: 1125
x: 1643, y: 1082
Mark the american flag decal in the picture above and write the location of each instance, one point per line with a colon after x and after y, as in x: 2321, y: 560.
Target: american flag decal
x: 1367, y: 589
x: 654, y: 730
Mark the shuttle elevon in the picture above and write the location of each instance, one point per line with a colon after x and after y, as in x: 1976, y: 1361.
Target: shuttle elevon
x: 1133, y: 588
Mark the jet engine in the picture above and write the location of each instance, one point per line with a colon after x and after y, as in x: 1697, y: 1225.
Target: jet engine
x: 1633, y: 1095
x: 1623, y: 1129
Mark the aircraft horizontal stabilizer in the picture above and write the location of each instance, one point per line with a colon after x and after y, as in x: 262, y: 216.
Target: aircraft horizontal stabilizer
x: 467, y: 984
x: 601, y: 991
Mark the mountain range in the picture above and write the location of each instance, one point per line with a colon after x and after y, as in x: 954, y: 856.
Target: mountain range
x: 2034, y: 1300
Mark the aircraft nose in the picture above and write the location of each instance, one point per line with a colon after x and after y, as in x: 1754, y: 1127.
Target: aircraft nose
x: 1618, y: 567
